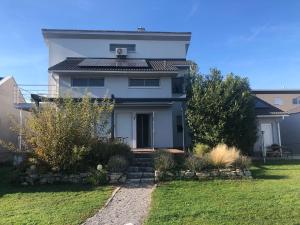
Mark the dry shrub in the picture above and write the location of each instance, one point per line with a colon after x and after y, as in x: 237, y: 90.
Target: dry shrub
x: 223, y: 156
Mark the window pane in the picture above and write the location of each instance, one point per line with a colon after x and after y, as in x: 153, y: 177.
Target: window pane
x: 96, y: 82
x: 130, y: 47
x: 295, y: 101
x: 136, y: 82
x: 179, y: 124
x: 152, y: 82
x: 177, y: 85
x: 79, y: 82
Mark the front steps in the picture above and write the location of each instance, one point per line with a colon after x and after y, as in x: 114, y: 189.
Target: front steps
x: 141, y: 169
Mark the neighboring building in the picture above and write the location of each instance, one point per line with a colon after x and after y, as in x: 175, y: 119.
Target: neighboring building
x: 288, y: 101
x: 8, y: 95
x: 142, y: 71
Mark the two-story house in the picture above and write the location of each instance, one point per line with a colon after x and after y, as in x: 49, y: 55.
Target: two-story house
x: 142, y: 71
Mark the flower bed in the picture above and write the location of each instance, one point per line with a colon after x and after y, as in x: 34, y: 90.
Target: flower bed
x: 228, y: 173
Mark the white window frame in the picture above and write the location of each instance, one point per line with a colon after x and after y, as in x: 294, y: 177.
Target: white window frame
x: 146, y: 87
x: 88, y: 78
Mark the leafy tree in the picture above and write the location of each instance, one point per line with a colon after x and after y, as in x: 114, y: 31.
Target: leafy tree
x: 221, y: 110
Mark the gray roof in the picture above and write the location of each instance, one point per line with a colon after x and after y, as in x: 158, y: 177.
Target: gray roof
x: 73, y: 64
x: 264, y: 108
x: 116, y: 34
x: 276, y: 91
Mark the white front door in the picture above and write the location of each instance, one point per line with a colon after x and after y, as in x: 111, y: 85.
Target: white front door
x: 123, y: 124
x: 267, y: 134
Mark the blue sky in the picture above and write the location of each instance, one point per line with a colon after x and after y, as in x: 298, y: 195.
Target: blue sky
x: 259, y: 39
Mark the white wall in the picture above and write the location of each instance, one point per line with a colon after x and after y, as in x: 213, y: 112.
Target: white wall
x: 60, y: 49
x: 117, y: 85
x: 163, y: 131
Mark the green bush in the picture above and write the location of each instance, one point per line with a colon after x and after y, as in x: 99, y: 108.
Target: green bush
x: 243, y: 162
x: 101, y: 152
x: 60, y: 133
x: 98, y: 177
x: 163, y: 161
x: 201, y: 149
x: 195, y: 164
x: 117, y: 164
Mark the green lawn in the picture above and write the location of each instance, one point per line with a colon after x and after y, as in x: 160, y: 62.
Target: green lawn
x: 273, y: 197
x: 52, y: 204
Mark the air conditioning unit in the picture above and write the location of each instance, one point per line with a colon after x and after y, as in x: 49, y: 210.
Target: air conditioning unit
x: 121, y: 52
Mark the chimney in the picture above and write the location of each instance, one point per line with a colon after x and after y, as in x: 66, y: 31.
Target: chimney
x: 141, y: 29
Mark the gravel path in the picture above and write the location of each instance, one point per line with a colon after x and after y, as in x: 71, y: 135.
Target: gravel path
x: 130, y: 205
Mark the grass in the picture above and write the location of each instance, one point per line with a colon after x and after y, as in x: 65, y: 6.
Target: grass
x: 49, y: 204
x: 273, y: 197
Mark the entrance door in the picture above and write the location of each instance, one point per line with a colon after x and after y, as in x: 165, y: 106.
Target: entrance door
x: 267, y: 134
x: 143, y: 130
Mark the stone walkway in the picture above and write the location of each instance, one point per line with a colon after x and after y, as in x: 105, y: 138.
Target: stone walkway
x: 130, y: 205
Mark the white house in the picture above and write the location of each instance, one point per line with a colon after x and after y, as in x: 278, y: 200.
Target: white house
x: 142, y: 71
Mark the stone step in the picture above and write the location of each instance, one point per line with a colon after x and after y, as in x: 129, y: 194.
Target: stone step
x: 143, y: 160
x: 140, y: 169
x: 134, y: 175
x: 147, y: 180
x: 143, y: 155
x: 142, y: 164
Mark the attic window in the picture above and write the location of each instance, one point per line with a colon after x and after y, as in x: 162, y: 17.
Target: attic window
x: 278, y: 101
x: 296, y: 101
x: 130, y: 47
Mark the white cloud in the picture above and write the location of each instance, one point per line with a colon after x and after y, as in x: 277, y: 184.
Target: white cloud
x: 193, y: 10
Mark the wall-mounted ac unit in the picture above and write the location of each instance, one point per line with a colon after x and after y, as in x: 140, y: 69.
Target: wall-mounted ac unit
x: 121, y: 52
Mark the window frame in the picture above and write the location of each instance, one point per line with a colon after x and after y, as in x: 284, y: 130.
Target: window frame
x: 143, y: 86
x: 122, y: 45
x: 88, y: 82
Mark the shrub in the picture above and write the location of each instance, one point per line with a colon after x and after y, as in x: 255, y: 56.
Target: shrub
x: 201, y: 149
x: 223, y: 156
x: 117, y: 164
x: 195, y: 164
x: 98, y: 177
x: 60, y: 133
x: 101, y: 151
x: 163, y: 161
x: 243, y: 162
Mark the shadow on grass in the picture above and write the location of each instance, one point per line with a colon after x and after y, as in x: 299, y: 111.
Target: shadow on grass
x: 6, y: 187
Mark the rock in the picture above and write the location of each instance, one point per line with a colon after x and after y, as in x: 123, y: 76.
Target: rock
x: 188, y: 174
x: 43, y: 180
x: 202, y: 175
x: 24, y: 184
x: 114, y: 177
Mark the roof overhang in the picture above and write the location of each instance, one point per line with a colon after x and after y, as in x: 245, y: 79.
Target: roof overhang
x: 116, y: 35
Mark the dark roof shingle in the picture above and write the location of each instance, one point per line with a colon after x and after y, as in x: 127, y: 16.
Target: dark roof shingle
x: 72, y: 64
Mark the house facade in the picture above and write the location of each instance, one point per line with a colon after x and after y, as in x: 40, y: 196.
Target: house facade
x: 143, y: 72
x: 288, y: 101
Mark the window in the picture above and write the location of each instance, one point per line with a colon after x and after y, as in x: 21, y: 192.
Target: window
x: 130, y: 47
x: 87, y: 82
x: 278, y: 101
x: 179, y: 124
x: 296, y: 101
x: 143, y: 82
x: 178, y: 85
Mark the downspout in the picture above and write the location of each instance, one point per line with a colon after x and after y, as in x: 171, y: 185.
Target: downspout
x: 183, y: 125
x: 112, y: 133
x: 153, y: 130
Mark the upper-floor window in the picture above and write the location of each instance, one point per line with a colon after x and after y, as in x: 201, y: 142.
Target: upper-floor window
x: 138, y: 82
x: 278, y: 101
x: 296, y: 101
x: 178, y: 85
x: 130, y: 47
x: 87, y: 82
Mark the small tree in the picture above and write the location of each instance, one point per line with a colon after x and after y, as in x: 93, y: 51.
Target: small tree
x: 221, y: 110
x: 60, y: 133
